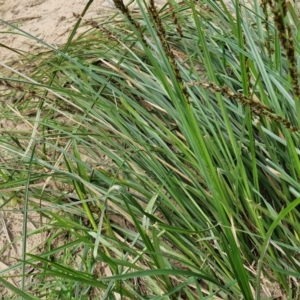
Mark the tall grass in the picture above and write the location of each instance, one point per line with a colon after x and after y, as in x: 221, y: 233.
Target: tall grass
x: 163, y: 147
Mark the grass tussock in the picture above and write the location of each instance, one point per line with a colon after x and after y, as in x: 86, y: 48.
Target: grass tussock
x: 162, y: 146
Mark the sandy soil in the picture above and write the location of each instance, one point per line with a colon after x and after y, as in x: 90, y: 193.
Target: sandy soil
x: 48, y: 20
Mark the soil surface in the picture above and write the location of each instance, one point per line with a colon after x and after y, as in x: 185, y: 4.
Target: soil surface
x: 48, y: 20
